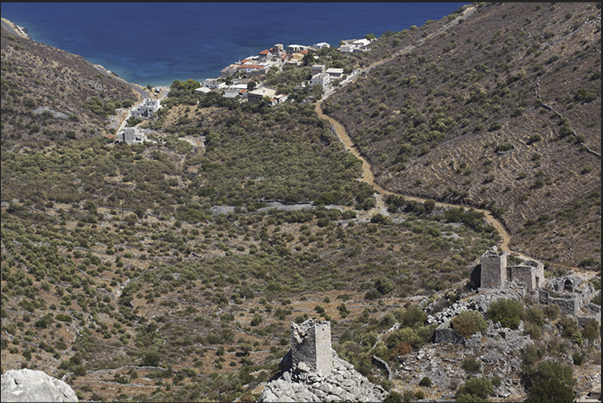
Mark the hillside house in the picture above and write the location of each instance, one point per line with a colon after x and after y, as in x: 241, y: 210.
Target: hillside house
x: 146, y: 109
x: 232, y: 93
x: 229, y: 70
x: 252, y: 69
x: 278, y: 99
x: 295, y: 48
x: 354, y: 46
x: 214, y: 84
x: 320, y: 45
x: 318, y: 69
x: 296, y: 59
x: 203, y: 90
x: 264, y: 55
x: 277, y: 49
x: 322, y: 79
x: 131, y: 135
x: 335, y: 73
x: 256, y: 96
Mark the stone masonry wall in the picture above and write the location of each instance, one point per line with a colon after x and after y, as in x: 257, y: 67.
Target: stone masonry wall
x: 494, y: 269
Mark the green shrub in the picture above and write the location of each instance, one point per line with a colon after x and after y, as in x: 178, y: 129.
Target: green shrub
x: 394, y: 397
x: 591, y: 330
x: 506, y: 146
x: 425, y: 381
x: 469, y: 323
x: 404, y: 335
x: 413, y: 317
x: 552, y: 311
x: 474, y: 390
x: 551, y: 382
x: 578, y: 358
x: 508, y: 312
x: 384, y: 285
x: 151, y: 359
x: 569, y: 326
x: 471, y: 365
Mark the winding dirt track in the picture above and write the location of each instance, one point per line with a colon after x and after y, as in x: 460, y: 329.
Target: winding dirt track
x: 370, y: 179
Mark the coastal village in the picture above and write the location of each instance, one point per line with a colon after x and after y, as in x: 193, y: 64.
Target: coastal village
x: 243, y: 80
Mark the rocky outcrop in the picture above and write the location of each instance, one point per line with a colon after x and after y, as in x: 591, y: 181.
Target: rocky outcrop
x: 496, y: 350
x: 479, y: 303
x: 26, y: 385
x: 344, y: 383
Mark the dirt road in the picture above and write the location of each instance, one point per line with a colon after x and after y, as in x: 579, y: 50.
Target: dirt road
x: 370, y: 179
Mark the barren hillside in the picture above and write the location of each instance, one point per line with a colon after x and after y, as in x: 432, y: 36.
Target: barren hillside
x: 502, y: 111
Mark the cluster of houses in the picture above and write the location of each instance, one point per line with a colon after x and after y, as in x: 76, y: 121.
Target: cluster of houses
x: 277, y: 56
x: 251, y: 68
x: 354, y: 45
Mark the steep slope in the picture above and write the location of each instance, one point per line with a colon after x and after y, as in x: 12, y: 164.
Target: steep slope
x: 501, y: 111
x: 50, y: 94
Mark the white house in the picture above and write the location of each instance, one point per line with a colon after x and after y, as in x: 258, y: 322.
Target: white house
x: 361, y: 42
x: 278, y: 99
x: 322, y: 79
x: 203, y: 90
x: 256, y: 96
x: 232, y: 93
x: 347, y: 48
x: 252, y: 69
x: 146, y: 108
x: 335, y: 72
x: 321, y: 45
x: 214, y: 84
x: 295, y: 48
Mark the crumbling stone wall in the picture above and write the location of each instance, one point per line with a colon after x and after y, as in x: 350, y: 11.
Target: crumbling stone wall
x: 530, y: 272
x: 311, y: 346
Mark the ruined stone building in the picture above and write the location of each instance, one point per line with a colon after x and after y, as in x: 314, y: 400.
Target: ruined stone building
x: 312, y: 372
x: 493, y: 272
x: 311, y: 345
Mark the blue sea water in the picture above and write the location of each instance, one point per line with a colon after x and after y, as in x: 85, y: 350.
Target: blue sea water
x: 156, y: 43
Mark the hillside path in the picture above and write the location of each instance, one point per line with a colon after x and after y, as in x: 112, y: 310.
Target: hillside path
x: 370, y: 179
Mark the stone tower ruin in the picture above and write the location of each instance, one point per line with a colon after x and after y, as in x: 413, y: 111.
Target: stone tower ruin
x: 494, y: 269
x: 311, y: 346
x: 529, y: 272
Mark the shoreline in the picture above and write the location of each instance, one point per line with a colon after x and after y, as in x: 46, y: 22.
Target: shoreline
x: 19, y: 30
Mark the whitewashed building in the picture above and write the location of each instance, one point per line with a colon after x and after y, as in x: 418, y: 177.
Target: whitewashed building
x: 334, y: 73
x: 322, y: 79
x: 256, y: 96
x: 146, y: 109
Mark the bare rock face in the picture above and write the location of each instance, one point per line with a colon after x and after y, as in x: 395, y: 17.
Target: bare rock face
x: 26, y: 385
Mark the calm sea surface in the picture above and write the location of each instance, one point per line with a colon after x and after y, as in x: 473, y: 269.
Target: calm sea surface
x: 156, y: 43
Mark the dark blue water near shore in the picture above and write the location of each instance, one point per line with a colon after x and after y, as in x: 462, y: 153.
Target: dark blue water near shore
x: 157, y: 43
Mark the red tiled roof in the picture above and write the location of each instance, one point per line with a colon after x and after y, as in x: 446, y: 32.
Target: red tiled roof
x: 264, y: 52
x: 303, y: 52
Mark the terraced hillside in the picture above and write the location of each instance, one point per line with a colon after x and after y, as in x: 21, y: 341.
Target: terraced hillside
x: 500, y: 111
